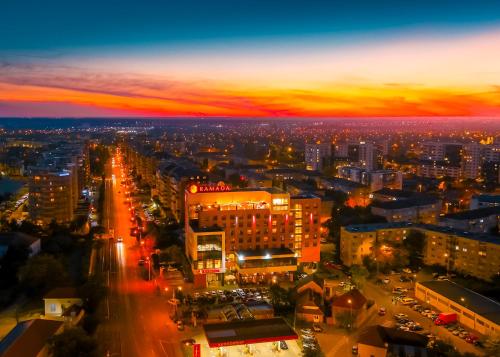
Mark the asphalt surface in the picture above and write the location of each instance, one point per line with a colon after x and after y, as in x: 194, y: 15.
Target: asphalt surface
x: 134, y: 318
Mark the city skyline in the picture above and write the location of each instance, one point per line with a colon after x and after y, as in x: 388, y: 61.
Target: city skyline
x: 260, y: 60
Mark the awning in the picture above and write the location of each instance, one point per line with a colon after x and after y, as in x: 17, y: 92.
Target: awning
x: 245, y: 332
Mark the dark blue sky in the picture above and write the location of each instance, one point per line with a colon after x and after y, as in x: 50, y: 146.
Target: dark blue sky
x: 48, y: 25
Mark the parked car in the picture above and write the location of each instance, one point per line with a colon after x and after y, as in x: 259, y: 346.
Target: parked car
x: 180, y: 325
x: 355, y: 350
x: 382, y: 311
x: 386, y: 281
x: 317, y: 328
x: 283, y: 345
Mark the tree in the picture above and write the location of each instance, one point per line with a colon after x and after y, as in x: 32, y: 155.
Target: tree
x: 73, y: 342
x: 359, y: 273
x: 92, y: 292
x: 345, y: 320
x: 42, y: 273
x: 414, y: 245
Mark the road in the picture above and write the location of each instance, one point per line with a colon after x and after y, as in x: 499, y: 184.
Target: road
x: 135, y: 319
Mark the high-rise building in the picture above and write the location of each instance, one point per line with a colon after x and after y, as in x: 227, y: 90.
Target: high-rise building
x: 317, y: 155
x: 51, y: 196
x: 250, y: 234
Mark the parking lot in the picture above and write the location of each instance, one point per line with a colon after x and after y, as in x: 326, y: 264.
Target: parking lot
x: 398, y: 298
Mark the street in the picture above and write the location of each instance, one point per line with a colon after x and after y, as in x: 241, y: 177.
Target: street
x: 135, y: 320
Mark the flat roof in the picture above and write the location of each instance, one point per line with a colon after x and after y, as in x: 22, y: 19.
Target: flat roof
x: 411, y: 202
x: 481, y: 305
x: 29, y: 337
x: 194, y: 224
x: 487, y: 198
x: 248, y: 332
x: 474, y: 213
x: 372, y: 227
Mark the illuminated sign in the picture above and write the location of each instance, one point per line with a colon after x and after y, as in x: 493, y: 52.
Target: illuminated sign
x: 219, y: 187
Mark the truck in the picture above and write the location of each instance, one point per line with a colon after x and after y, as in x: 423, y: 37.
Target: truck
x: 446, y: 318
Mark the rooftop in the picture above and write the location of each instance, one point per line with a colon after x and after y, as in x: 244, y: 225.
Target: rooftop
x: 28, y: 338
x: 379, y: 336
x: 474, y: 214
x: 357, y: 300
x: 10, y: 238
x: 248, y: 332
x: 411, y: 202
x: 373, y: 227
x: 394, y: 193
x: 473, y: 301
x: 62, y: 293
x: 488, y: 198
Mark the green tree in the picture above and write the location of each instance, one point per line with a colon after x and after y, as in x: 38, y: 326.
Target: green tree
x: 73, y: 342
x: 92, y: 292
x: 359, y: 274
x: 414, y: 245
x: 42, y: 273
x: 345, y: 320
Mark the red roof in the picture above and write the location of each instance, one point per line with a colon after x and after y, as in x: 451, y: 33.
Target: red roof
x: 357, y: 300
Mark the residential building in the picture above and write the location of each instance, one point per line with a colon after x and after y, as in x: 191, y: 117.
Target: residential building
x: 481, y: 201
x: 51, y: 196
x: 416, y: 210
x: 317, y: 155
x: 374, y: 179
x: 258, y: 234
x: 10, y: 240
x: 352, y: 304
x: 59, y: 300
x: 381, y: 341
x: 468, y: 253
x: 481, y: 220
x: 473, y: 310
x: 358, y: 240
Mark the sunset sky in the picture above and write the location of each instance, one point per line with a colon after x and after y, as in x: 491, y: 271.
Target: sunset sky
x: 246, y: 58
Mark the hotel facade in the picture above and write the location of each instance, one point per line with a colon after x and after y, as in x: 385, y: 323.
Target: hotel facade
x: 251, y: 235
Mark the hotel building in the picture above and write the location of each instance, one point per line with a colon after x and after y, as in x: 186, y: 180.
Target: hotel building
x: 254, y: 235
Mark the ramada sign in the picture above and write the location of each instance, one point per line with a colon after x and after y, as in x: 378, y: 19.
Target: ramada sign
x: 219, y: 187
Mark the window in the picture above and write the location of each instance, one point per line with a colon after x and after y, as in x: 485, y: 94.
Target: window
x: 52, y: 307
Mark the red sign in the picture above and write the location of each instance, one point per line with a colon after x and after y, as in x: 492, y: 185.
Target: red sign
x: 219, y: 187
x: 251, y: 341
x: 196, y: 350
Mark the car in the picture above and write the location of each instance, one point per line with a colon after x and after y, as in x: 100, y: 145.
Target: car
x: 407, y: 270
x: 188, y: 342
x: 382, y: 311
x: 417, y: 307
x: 119, y: 239
x: 471, y: 339
x: 355, y: 350
x: 386, y: 281
x: 283, y: 345
x: 442, y: 277
x: 141, y: 261
x: 408, y: 301
x: 180, y: 325
x: 306, y: 331
x: 317, y: 328
x: 463, y: 334
x: 400, y: 316
x: 404, y: 279
x: 456, y: 332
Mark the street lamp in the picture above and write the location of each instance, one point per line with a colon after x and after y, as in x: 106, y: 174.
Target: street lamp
x: 148, y: 261
x: 349, y: 301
